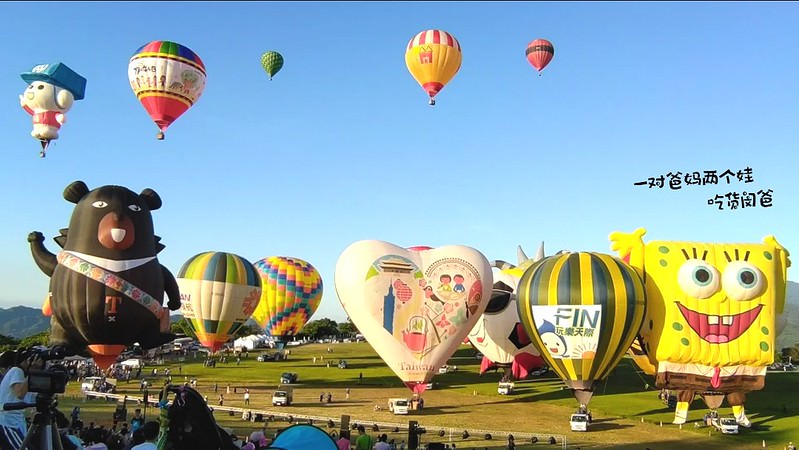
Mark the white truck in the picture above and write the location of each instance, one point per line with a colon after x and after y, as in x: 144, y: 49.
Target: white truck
x: 398, y: 405
x: 727, y: 425
x: 282, y: 397
x: 505, y: 388
x: 579, y: 422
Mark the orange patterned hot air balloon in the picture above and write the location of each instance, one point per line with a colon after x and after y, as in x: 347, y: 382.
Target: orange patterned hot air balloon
x: 539, y: 54
x: 433, y: 57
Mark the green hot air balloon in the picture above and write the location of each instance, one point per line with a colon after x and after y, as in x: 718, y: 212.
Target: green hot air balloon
x: 272, y: 63
x: 582, y: 310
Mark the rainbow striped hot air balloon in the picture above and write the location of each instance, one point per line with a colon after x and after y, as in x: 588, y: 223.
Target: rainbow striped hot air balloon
x: 218, y: 293
x: 582, y: 311
x: 292, y: 291
x: 168, y: 79
x: 433, y: 57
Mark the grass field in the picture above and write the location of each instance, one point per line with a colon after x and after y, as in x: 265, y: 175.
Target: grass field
x: 626, y: 410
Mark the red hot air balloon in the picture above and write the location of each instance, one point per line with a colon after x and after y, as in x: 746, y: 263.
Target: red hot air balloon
x: 539, y: 54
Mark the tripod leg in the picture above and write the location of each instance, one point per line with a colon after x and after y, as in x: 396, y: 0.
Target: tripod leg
x: 33, y: 433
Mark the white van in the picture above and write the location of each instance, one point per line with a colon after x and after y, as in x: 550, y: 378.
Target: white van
x: 91, y: 384
x: 579, y: 422
x: 398, y: 405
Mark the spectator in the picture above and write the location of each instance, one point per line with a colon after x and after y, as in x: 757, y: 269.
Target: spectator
x: 14, y: 389
x: 364, y: 441
x: 150, y: 433
x: 382, y: 443
x: 137, y: 421
x: 343, y: 442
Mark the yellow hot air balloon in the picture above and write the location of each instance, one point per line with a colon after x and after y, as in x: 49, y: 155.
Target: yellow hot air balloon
x: 292, y: 291
x: 433, y: 57
x: 219, y: 292
x: 582, y: 311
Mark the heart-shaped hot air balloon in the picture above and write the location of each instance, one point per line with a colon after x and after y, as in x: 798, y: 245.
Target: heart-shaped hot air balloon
x: 414, y: 307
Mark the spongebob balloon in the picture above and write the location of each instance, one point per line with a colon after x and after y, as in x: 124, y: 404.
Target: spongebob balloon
x: 51, y: 91
x: 710, y: 326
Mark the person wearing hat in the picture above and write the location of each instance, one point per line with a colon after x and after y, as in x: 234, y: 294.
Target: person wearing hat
x: 52, y: 89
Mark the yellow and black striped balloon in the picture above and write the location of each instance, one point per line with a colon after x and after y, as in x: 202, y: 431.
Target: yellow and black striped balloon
x: 607, y: 286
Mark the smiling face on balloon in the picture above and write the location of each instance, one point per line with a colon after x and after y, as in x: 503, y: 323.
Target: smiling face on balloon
x: 713, y: 304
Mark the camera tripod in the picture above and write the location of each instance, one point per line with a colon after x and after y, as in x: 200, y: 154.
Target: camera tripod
x: 43, y: 433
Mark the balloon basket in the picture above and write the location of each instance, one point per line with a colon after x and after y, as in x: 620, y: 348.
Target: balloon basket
x: 160, y: 136
x: 432, y: 102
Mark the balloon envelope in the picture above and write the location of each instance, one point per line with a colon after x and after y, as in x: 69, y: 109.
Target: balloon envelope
x: 433, y: 57
x: 711, y: 309
x: 219, y: 292
x: 414, y: 307
x: 291, y: 293
x: 583, y: 311
x: 272, y: 62
x: 499, y: 334
x: 539, y: 53
x: 167, y: 78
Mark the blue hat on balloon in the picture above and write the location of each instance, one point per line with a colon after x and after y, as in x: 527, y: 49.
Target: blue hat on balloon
x: 60, y: 75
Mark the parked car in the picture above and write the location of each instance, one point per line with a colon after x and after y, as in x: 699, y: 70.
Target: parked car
x: 289, y: 378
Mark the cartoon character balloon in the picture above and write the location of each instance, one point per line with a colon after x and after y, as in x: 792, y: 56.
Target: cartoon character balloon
x: 710, y: 325
x: 583, y: 311
x: 219, y: 292
x: 413, y: 307
x: 499, y: 334
x: 168, y: 79
x: 52, y: 89
x: 433, y: 57
x: 292, y: 291
x: 539, y: 53
x: 272, y: 62
x: 106, y: 285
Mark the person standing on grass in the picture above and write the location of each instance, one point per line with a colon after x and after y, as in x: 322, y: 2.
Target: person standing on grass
x: 363, y: 441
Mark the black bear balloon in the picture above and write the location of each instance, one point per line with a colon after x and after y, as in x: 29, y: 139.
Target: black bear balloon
x: 106, y: 285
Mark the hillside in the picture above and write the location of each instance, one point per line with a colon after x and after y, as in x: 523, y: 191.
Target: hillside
x: 22, y: 321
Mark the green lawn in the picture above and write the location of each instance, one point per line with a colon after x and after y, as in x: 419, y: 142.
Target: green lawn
x: 627, y: 412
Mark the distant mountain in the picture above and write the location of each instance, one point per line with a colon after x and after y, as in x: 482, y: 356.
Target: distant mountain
x: 790, y: 333
x: 22, y: 321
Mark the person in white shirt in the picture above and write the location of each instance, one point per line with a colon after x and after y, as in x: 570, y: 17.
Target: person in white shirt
x: 14, y: 389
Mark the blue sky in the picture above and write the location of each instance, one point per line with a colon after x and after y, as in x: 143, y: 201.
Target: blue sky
x: 342, y: 146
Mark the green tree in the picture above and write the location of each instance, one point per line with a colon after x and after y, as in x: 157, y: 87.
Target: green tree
x: 8, y: 343
x: 317, y: 329
x: 347, y: 328
x: 182, y: 326
x: 42, y: 338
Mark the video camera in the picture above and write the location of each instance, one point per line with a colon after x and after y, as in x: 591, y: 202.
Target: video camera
x: 49, y: 382
x: 44, y: 377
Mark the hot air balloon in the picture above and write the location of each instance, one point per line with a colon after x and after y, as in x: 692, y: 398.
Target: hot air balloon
x: 52, y: 90
x: 413, y: 307
x: 710, y: 325
x: 168, y: 79
x: 583, y: 311
x: 499, y: 334
x: 106, y: 285
x: 433, y: 57
x: 292, y: 291
x: 272, y: 62
x: 539, y: 54
x: 219, y: 292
